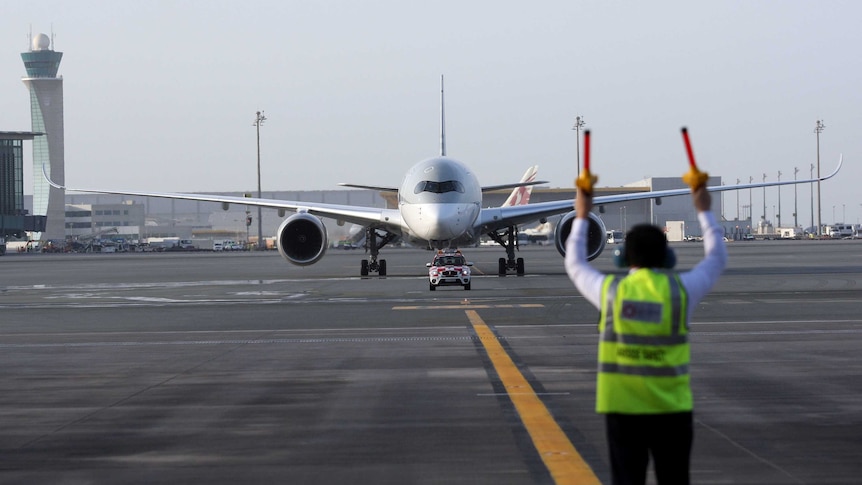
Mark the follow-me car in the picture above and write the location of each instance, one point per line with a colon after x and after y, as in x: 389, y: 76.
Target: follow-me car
x: 449, y: 268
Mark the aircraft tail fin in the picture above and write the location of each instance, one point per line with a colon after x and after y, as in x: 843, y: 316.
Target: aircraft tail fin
x: 521, y: 195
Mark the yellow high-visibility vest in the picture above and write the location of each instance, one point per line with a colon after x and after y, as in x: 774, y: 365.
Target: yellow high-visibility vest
x: 643, y: 348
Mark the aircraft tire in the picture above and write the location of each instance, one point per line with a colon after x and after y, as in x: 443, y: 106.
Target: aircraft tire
x: 432, y: 287
x: 363, y: 268
x: 501, y: 267
x: 381, y: 269
x: 520, y: 266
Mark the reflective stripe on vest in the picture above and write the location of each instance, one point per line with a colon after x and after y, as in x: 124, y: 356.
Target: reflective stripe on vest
x: 643, y: 356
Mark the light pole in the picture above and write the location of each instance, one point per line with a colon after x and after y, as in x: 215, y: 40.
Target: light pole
x: 818, y: 127
x: 750, y: 206
x: 764, y: 200
x: 258, y: 120
x: 795, y: 206
x: 811, y: 176
x: 737, y: 201
x: 623, y: 218
x: 778, y: 215
x: 579, y: 123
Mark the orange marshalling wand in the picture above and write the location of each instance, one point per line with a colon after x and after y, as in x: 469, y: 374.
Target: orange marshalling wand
x: 585, y: 181
x: 694, y: 177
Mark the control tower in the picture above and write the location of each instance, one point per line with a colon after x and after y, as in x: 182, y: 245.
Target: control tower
x: 46, y: 112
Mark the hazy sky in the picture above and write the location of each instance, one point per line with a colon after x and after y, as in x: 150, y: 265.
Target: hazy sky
x: 161, y: 95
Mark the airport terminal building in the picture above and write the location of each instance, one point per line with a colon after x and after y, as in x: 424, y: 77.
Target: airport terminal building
x: 15, y: 219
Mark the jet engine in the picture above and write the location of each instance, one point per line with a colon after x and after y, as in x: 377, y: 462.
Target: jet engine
x: 302, y: 239
x: 596, y: 235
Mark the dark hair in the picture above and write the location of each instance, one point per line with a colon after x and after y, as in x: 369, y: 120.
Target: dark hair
x: 646, y: 246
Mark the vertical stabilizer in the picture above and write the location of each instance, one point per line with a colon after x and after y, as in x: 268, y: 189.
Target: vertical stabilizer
x: 521, y: 195
x: 442, y: 121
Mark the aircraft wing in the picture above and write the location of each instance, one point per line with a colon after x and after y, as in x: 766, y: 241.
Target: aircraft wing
x: 500, y: 217
x: 370, y: 187
x: 388, y: 218
x: 488, y: 188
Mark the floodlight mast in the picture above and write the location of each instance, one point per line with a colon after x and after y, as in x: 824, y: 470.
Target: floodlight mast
x: 818, y: 127
x: 778, y: 214
x: 795, y: 202
x: 258, y: 120
x: 579, y: 123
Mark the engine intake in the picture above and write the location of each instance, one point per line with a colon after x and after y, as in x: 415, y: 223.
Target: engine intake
x: 302, y: 239
x: 596, y: 235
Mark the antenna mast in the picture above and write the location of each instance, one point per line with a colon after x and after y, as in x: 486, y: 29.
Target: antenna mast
x: 442, y: 121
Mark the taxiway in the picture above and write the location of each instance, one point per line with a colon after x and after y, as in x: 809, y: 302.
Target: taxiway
x: 240, y: 368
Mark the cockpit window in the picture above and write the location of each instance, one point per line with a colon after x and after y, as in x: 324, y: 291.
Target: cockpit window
x: 449, y: 261
x: 439, y: 187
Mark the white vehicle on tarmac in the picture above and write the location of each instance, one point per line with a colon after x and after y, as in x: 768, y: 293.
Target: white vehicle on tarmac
x: 449, y: 268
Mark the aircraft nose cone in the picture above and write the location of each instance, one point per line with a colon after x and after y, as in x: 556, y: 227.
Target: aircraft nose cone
x: 443, y: 221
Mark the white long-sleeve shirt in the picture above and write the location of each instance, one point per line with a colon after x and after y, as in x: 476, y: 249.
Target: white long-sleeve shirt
x: 697, y: 281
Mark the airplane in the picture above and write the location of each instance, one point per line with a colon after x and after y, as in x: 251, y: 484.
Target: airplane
x: 439, y: 207
x: 520, y: 195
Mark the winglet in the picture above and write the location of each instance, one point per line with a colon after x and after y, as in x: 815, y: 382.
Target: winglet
x: 48, y: 179
x: 834, y: 172
x: 442, y: 121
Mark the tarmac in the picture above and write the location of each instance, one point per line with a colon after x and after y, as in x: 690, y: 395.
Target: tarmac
x: 241, y: 368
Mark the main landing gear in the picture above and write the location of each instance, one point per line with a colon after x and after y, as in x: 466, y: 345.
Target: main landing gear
x: 374, y: 265
x: 509, y: 240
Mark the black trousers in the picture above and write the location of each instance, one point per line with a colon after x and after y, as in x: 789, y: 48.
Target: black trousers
x: 632, y: 438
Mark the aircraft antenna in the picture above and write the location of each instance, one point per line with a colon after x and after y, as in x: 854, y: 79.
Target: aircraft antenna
x: 442, y: 121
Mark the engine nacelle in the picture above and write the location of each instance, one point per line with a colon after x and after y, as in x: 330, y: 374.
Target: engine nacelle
x: 302, y: 239
x: 596, y: 235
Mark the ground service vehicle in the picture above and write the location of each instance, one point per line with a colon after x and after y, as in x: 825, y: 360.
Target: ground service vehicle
x: 449, y: 269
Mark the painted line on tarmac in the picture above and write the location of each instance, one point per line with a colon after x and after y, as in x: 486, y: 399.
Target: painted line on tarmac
x: 562, y: 460
x: 467, y: 306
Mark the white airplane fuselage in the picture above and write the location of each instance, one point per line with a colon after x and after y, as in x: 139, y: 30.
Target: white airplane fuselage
x: 439, y: 200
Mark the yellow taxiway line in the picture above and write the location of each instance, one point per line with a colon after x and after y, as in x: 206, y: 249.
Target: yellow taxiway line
x: 563, y: 461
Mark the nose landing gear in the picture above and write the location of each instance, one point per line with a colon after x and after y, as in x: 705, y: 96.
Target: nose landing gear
x: 509, y: 240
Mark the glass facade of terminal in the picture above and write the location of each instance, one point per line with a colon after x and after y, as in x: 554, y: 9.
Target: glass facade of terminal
x: 11, y: 177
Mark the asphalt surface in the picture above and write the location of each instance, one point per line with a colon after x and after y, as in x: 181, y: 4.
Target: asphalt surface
x: 240, y: 368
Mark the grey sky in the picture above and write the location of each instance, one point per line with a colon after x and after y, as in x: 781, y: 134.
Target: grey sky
x: 161, y: 95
